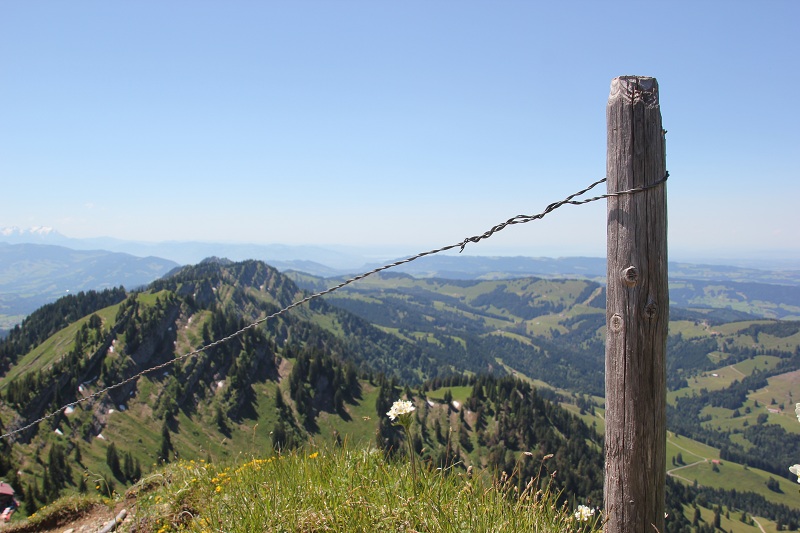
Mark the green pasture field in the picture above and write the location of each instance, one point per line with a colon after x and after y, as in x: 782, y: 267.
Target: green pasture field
x: 407, y: 336
x: 329, y: 322
x: 761, y: 362
x: 541, y: 325
x: 782, y: 389
x: 732, y: 524
x: 360, y: 429
x: 713, y: 380
x: 735, y: 332
x: 689, y: 329
x: 582, y: 310
x: 516, y: 336
x: 460, y: 394
x: 733, y: 476
x: 723, y: 418
x: 597, y: 419
x: 691, y: 450
x: 776, y: 400
x: 148, y: 299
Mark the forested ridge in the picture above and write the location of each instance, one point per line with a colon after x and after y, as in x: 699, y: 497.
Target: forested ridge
x: 50, y: 318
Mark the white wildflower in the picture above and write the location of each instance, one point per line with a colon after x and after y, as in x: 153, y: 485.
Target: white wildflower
x: 584, y: 513
x: 399, y: 408
x: 795, y: 469
x: 400, y: 414
x: 797, y: 411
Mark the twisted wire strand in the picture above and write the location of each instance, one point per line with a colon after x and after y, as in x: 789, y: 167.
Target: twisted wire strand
x: 519, y: 219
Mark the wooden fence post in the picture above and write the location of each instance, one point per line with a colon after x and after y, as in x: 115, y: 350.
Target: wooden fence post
x: 637, y: 310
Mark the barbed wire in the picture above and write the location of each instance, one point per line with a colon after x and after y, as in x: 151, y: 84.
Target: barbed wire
x: 522, y: 219
x: 519, y: 219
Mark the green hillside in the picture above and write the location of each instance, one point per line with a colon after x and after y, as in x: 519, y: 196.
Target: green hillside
x: 314, y: 374
x: 467, y: 352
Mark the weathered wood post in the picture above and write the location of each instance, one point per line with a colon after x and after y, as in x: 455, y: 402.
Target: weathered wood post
x: 637, y: 310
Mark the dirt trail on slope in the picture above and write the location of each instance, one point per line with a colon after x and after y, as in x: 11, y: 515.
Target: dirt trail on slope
x: 90, y: 521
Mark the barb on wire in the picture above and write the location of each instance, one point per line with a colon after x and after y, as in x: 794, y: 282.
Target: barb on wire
x: 519, y: 219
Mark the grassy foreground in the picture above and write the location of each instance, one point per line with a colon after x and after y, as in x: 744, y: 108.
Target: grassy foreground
x: 343, y: 490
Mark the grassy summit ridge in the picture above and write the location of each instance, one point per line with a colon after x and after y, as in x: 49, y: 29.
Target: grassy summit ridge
x: 345, y: 489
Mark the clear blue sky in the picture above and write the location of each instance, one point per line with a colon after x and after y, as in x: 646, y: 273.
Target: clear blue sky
x: 392, y: 124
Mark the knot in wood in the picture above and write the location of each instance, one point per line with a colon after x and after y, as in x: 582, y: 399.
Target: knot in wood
x: 630, y: 276
x: 651, y: 309
x: 616, y: 323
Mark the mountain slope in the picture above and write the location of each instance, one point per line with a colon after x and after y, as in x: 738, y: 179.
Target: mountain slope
x: 329, y: 370
x: 316, y: 372
x: 547, y: 329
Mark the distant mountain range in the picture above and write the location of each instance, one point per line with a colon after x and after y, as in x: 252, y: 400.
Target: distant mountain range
x: 323, y: 260
x: 334, y: 260
x: 32, y: 275
x: 594, y: 268
x: 38, y: 265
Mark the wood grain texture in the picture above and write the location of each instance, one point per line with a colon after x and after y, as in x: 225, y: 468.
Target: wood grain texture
x: 637, y: 310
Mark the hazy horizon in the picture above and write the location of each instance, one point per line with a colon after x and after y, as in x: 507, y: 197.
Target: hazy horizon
x: 352, y: 254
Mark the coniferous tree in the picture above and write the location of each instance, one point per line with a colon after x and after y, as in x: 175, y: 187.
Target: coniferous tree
x: 351, y: 380
x: 49, y: 490
x: 463, y: 438
x: 279, y: 437
x: 219, y: 419
x: 437, y: 428
x: 417, y: 444
x: 38, y: 495
x: 338, y: 401
x: 30, y: 501
x: 166, y: 443
x: 448, y: 398
x: 773, y: 485
x: 127, y: 466
x: 112, y: 460
x: 59, y: 470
